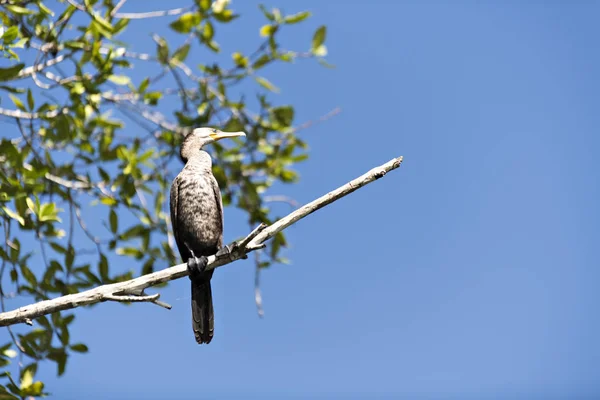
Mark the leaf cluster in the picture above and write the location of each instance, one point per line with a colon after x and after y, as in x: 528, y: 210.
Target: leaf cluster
x: 91, y: 149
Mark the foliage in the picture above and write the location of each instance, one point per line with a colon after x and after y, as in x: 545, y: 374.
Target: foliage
x: 88, y: 134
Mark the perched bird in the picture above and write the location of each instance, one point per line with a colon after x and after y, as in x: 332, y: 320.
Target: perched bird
x: 197, y: 219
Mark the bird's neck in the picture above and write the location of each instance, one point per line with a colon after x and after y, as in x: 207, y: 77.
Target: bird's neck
x: 199, y: 159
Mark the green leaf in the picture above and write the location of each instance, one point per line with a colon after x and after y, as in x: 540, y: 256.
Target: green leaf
x: 300, y: 158
x: 134, y: 231
x: 103, y: 22
x: 268, y: 30
x: 79, y: 348
x: 325, y: 63
x: 30, y: 101
x: 58, y: 248
x: 31, y: 205
x: 225, y: 16
x: 49, y: 212
x: 214, y: 46
x: 114, y: 222
x: 51, y: 271
x: 11, y: 89
x: 204, y: 4
x: 14, y: 215
x: 148, y: 267
x: 45, y: 9
x: 208, y: 32
x: 17, y: 102
x: 181, y: 53
x: 288, y: 176
x: 319, y: 37
x: 266, y: 12
x: 60, y: 357
x: 99, y: 28
x: 19, y: 10
x: 69, y: 258
x: 295, y: 18
x: 266, y: 84
x: 10, y: 34
x: 15, y: 250
x: 103, y: 268
x: 35, y: 389
x: 239, y: 59
x: 320, y: 51
x: 284, y: 116
x: 28, y: 275
x: 120, y: 79
x: 109, y: 201
x: 287, y: 56
x: 162, y: 50
x: 27, y: 379
x: 144, y: 85
x: 152, y: 98
x: 186, y: 22
x: 10, y: 353
x: 262, y: 61
x: 130, y: 252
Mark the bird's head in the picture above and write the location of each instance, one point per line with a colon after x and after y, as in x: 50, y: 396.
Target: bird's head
x: 200, y: 137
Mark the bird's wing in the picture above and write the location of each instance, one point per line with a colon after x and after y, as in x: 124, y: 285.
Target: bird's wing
x: 174, y: 206
x: 219, y: 203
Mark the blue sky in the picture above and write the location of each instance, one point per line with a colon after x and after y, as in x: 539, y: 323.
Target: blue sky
x: 470, y: 272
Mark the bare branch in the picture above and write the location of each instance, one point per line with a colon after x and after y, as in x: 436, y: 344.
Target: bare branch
x: 252, y: 235
x: 151, y: 14
x: 77, y: 5
x: 68, y: 184
x: 25, y: 72
x: 117, y: 7
x: 34, y: 115
x: 137, y: 285
x: 132, y: 299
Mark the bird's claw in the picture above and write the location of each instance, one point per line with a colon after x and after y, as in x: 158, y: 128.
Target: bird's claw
x: 196, y: 266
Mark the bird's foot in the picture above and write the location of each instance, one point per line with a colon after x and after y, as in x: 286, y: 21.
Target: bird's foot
x: 196, y: 266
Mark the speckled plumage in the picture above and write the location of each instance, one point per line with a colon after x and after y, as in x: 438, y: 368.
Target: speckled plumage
x: 197, y: 218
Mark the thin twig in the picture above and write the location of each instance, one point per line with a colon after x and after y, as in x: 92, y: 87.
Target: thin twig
x: 325, y: 117
x: 117, y: 7
x: 83, y: 227
x: 252, y: 235
x: 137, y: 285
x: 280, y: 199
x: 257, y: 292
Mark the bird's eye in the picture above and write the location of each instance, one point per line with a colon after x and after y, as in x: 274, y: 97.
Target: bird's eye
x: 214, y: 131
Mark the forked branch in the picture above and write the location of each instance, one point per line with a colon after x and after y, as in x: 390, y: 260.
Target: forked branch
x: 133, y: 290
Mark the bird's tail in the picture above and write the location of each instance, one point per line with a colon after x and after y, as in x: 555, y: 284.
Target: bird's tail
x: 203, y: 318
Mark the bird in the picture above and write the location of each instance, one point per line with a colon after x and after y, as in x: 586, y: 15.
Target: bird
x: 197, y: 221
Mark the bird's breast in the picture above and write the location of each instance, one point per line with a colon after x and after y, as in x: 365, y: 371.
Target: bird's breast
x: 200, y: 222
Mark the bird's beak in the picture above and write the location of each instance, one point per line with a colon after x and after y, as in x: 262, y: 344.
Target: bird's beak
x: 222, y: 135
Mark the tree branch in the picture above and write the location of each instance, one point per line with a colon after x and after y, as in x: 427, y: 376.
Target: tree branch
x: 25, y: 72
x: 34, y: 115
x: 151, y: 14
x: 135, y: 287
